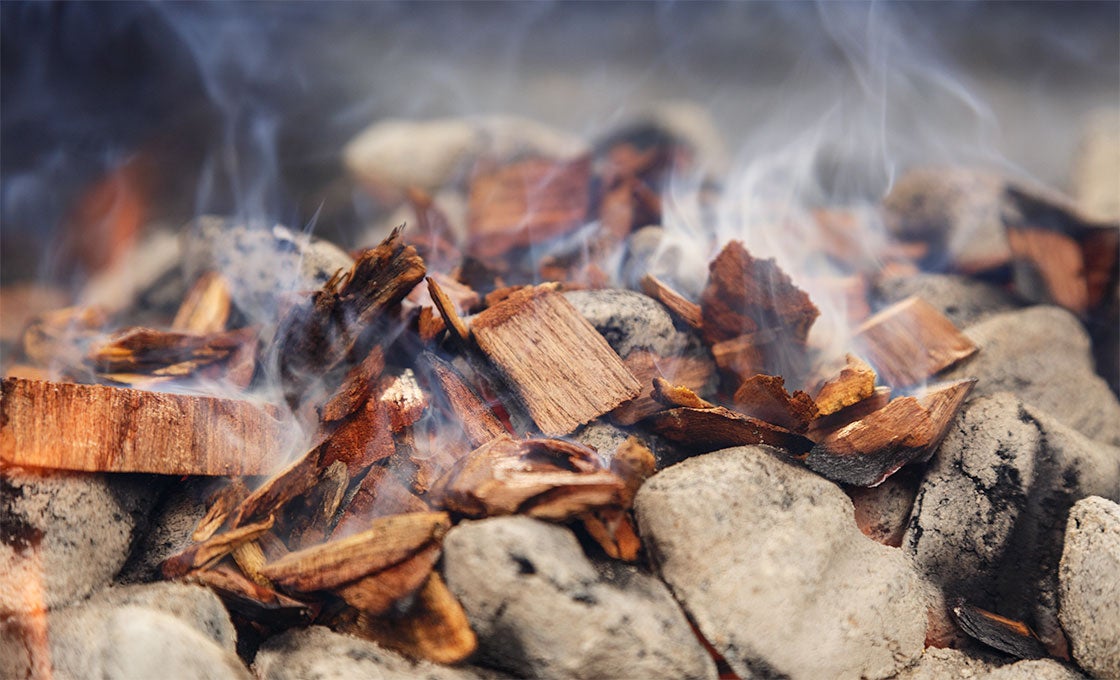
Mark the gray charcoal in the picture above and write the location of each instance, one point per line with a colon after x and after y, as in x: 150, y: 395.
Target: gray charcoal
x: 1089, y: 577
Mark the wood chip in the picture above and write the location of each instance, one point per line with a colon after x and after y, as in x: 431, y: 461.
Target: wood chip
x: 634, y: 463
x: 161, y: 353
x: 379, y: 494
x: 678, y: 306
x: 308, y: 523
x: 614, y: 531
x: 701, y: 430
x: 471, y: 412
x: 855, y: 383
x: 389, y: 540
x: 253, y: 600
x: 1007, y: 635
x: 206, y: 308
x: 911, y: 341
x: 744, y: 295
x: 208, y: 552
x: 560, y: 366
x: 869, y: 450
x: 95, y: 428
x: 362, y: 439
x: 60, y: 338
x: 220, y: 507
x: 544, y: 478
x: 356, y: 387
x: 402, y: 399
x: 448, y: 312
x: 525, y: 202
x: 687, y: 372
x: 319, y: 334
x: 435, y: 627
x: 826, y: 425
x: 377, y: 593
x: 1050, y: 267
x: 765, y: 397
x: 672, y: 396
x: 768, y: 352
x: 271, y: 496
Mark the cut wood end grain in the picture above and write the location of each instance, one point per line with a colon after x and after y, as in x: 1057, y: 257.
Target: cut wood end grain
x: 97, y: 428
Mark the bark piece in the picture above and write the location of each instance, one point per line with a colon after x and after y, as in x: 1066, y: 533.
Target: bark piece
x: 478, y: 421
x: 673, y: 396
x: 686, y: 372
x: 356, y: 387
x: 96, y: 428
x: 709, y: 429
x: 563, y: 370
x: 911, y: 341
x: 765, y: 397
x: 319, y: 334
x: 545, y: 478
x: 855, y: 383
x: 1007, y: 635
x: 377, y: 593
x: 869, y: 450
x: 678, y: 306
x: 745, y: 294
x: 208, y: 552
x: 435, y: 627
x: 388, y: 541
x: 525, y: 202
x: 206, y: 307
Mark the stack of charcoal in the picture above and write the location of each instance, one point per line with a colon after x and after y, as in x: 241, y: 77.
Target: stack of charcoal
x: 494, y: 443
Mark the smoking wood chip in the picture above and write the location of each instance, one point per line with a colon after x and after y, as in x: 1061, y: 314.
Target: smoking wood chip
x: 97, y: 428
x: 255, y: 601
x: 206, y: 307
x: 910, y: 341
x: 403, y: 399
x: 770, y: 352
x: 765, y: 397
x: 363, y: 438
x: 307, y: 522
x: 356, y: 387
x: 525, y: 202
x: 435, y: 627
x: 826, y: 425
x: 701, y: 430
x: 563, y: 370
x: 551, y: 479
x: 678, y: 306
x: 689, y: 373
x: 208, y: 552
x: 220, y: 506
x: 271, y: 496
x: 478, y: 421
x: 744, y: 295
x: 447, y: 311
x: 855, y: 383
x: 869, y: 450
x: 387, y: 541
x: 377, y: 593
x: 672, y: 396
x: 317, y: 335
x: 1007, y: 635
x: 429, y: 324
x: 162, y: 353
x: 379, y: 494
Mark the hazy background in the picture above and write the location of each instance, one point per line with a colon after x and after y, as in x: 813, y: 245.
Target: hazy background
x: 245, y: 106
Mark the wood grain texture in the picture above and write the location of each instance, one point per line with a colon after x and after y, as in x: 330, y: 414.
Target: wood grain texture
x: 561, y: 367
x: 96, y: 428
x: 911, y: 341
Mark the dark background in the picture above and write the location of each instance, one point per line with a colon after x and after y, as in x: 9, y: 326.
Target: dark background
x: 244, y: 107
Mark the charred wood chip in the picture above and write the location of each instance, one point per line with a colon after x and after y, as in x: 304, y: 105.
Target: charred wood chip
x: 319, y: 334
x: 744, y: 295
x: 435, y: 627
x: 387, y: 541
x: 356, y: 387
x: 208, y: 552
x: 560, y: 366
x: 308, y: 523
x: 545, y: 478
x: 402, y: 399
x: 910, y: 341
x: 1007, y: 635
x: 709, y: 429
x: 855, y: 382
x: 765, y: 397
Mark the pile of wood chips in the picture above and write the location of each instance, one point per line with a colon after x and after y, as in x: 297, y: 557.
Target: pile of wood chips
x: 440, y: 384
